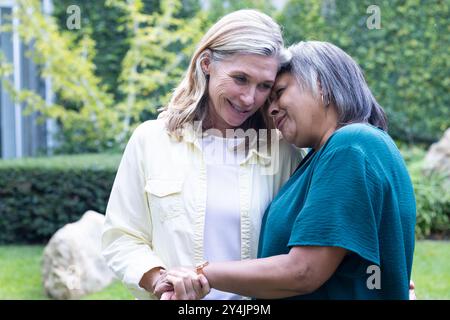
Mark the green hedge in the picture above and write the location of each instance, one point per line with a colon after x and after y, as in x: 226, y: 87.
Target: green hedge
x: 39, y: 196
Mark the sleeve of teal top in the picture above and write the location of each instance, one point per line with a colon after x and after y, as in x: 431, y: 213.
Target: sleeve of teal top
x: 339, y: 207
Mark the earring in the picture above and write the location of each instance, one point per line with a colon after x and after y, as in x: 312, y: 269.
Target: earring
x: 323, y: 101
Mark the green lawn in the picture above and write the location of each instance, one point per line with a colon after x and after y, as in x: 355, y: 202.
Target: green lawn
x: 20, y: 276
x: 431, y: 269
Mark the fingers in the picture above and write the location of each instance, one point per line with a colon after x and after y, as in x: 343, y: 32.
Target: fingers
x: 169, y: 295
x: 179, y: 286
x: 162, y: 287
x: 198, y: 287
x: 187, y: 284
x: 192, y: 283
x: 183, y: 282
x: 205, y: 285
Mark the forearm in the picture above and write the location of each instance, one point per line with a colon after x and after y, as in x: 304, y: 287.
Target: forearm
x: 267, y: 278
x: 130, y: 258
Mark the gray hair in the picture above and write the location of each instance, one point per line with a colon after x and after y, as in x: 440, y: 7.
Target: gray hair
x: 327, y: 71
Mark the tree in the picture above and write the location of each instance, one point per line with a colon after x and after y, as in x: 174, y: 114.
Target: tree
x: 219, y: 8
x: 160, y: 48
x: 106, y: 24
x: 160, y: 45
x: 405, y: 61
x: 90, y: 125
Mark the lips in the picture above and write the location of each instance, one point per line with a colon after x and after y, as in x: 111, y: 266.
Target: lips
x: 238, y: 109
x: 279, y: 122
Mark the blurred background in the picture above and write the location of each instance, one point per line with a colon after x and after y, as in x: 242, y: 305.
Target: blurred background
x: 78, y: 76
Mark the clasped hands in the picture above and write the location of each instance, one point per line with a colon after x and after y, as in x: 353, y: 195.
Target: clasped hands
x: 181, y: 283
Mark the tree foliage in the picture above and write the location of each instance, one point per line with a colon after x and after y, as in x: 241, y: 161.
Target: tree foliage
x: 90, y: 122
x: 405, y: 61
x: 219, y: 8
x: 106, y: 23
x: 92, y: 116
x: 160, y: 48
x: 128, y: 56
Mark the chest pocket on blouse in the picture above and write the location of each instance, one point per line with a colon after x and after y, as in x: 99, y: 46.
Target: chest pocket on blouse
x: 165, y: 198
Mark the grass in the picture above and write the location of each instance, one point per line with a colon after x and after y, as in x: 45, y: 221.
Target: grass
x: 20, y: 274
x: 431, y: 269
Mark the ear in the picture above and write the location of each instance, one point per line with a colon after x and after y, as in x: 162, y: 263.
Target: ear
x: 319, y: 85
x: 325, y: 99
x: 205, y: 62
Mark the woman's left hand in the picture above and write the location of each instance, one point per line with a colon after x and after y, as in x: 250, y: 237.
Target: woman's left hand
x: 186, y: 283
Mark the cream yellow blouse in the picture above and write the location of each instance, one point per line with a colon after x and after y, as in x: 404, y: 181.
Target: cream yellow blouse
x: 156, y: 211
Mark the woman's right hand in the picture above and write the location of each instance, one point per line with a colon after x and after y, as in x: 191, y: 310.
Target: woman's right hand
x: 153, y: 279
x: 185, y: 283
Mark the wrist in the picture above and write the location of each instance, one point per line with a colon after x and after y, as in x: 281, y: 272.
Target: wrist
x: 199, y: 269
x: 150, y: 278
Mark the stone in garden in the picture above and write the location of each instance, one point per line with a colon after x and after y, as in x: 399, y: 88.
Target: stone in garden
x: 72, y: 264
x: 438, y: 157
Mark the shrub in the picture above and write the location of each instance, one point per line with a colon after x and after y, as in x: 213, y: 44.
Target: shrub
x: 432, y: 197
x: 433, y: 206
x: 405, y: 61
x: 39, y: 196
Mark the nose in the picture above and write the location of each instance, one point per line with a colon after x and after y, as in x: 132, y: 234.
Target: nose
x: 273, y: 109
x: 248, y: 97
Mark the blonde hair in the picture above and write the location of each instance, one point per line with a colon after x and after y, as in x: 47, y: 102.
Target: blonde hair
x: 240, y: 32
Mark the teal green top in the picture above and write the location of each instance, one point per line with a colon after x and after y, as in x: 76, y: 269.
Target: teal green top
x: 355, y: 193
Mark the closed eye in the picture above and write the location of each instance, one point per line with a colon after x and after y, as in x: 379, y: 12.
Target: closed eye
x: 240, y: 79
x: 265, y: 86
x: 277, y: 93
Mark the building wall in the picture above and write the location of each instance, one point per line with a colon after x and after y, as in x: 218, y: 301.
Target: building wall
x: 20, y: 135
x: 7, y: 123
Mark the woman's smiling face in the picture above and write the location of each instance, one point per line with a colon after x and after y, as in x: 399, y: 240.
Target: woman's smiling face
x: 238, y: 86
x: 302, y: 118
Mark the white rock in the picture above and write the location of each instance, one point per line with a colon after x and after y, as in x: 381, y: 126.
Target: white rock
x: 438, y: 156
x: 72, y: 264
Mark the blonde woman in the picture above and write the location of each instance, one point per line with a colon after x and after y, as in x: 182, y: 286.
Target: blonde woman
x: 193, y: 185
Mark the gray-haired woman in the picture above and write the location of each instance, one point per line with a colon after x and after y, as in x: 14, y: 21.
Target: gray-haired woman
x: 342, y: 227
x: 189, y: 187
